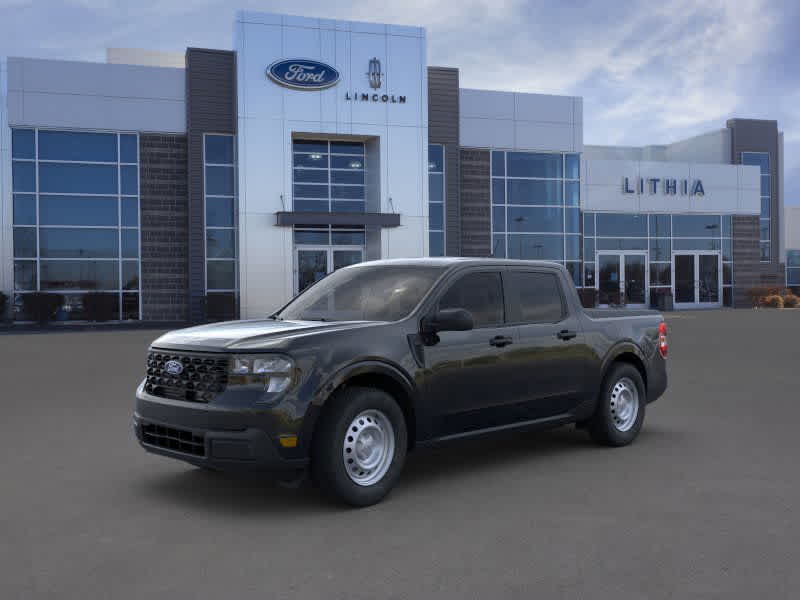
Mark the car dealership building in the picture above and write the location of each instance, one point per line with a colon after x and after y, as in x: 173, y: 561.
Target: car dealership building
x: 219, y: 183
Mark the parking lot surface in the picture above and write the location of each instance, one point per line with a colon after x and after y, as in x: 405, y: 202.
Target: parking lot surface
x: 703, y: 505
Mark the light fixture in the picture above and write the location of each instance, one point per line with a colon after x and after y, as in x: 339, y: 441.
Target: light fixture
x: 316, y: 156
x: 355, y: 164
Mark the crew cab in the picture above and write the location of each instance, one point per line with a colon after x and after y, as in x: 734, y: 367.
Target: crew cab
x: 382, y: 358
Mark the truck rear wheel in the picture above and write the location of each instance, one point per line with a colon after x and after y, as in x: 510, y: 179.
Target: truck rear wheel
x: 620, y: 409
x: 359, y: 448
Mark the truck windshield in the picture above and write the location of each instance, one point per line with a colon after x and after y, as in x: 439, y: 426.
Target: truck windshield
x: 364, y: 293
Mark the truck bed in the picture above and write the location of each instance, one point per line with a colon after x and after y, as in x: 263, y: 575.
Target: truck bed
x: 616, y: 313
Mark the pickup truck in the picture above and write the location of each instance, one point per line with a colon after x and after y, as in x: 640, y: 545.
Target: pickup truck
x: 384, y: 357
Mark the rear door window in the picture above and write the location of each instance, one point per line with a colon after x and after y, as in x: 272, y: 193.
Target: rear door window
x: 535, y: 297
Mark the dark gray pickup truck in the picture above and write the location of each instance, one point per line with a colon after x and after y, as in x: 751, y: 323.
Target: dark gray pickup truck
x: 383, y: 357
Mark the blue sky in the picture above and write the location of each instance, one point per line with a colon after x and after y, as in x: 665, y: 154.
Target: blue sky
x: 649, y: 72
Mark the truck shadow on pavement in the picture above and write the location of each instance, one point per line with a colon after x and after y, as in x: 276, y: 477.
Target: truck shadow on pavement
x: 454, y: 463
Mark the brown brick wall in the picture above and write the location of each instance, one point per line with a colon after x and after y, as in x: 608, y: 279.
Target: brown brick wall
x: 476, y: 215
x: 746, y: 266
x: 165, y: 227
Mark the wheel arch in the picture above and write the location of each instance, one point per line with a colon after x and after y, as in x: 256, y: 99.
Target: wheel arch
x: 625, y: 352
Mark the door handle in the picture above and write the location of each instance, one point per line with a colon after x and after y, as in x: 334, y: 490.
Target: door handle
x: 566, y: 334
x: 500, y: 341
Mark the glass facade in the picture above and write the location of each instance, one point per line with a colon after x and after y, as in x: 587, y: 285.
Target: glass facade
x: 761, y: 160
x: 328, y: 176
x: 222, y: 277
x: 793, y: 268
x: 435, y: 200
x: 76, y: 220
x: 536, y: 207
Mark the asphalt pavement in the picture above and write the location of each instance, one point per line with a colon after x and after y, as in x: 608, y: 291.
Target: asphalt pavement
x: 703, y: 505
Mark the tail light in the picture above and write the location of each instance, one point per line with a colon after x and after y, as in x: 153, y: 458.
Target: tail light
x: 663, y: 347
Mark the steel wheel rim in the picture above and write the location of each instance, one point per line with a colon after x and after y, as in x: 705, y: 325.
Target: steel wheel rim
x: 624, y: 404
x: 368, y: 447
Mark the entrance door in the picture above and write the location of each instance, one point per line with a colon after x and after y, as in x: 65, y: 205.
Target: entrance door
x: 697, y: 279
x: 622, y: 279
x: 312, y: 263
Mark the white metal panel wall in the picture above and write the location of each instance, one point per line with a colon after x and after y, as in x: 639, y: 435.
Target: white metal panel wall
x: 269, y: 115
x: 791, y: 228
x: 729, y: 189
x: 491, y: 119
x: 83, y: 95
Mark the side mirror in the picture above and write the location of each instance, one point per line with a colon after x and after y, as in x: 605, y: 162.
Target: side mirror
x: 449, y: 319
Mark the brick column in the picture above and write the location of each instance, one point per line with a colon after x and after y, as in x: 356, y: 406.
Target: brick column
x: 476, y: 209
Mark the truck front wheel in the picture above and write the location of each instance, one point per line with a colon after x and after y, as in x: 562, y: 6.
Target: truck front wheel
x: 620, y: 409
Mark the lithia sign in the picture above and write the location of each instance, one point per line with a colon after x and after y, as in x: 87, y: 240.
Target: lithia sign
x: 669, y: 187
x: 306, y: 74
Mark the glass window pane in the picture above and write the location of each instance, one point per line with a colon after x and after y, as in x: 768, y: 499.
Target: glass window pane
x: 219, y: 212
x: 574, y: 271
x: 660, y: 226
x: 219, y: 149
x: 23, y: 143
x: 220, y: 243
x: 310, y: 146
x: 130, y: 243
x: 572, y: 189
x: 77, y: 179
x: 660, y: 249
x: 765, y: 208
x: 573, y: 166
x: 622, y: 225
x: 436, y: 243
x: 763, y: 229
x: 310, y: 191
x: 24, y: 209
x: 793, y: 277
x: 480, y: 294
x: 436, y: 216
x: 311, y: 175
x: 498, y: 191
x: 348, y: 206
x: 588, y: 249
x: 312, y: 237
x: 315, y: 161
x: 129, y: 180
x: 128, y: 148
x: 572, y: 245
x: 759, y: 159
x: 527, y: 191
x: 221, y: 274
x: 499, y: 218
x: 25, y: 275
x: 341, y: 162
x: 435, y: 158
x: 348, y: 238
x: 498, y: 163
x: 23, y: 176
x: 695, y: 244
x: 793, y: 258
x: 661, y: 274
x: 311, y: 205
x: 79, y: 275
x: 347, y: 192
x: 727, y: 226
x: 531, y: 164
x: 572, y: 220
x: 130, y: 274
x: 696, y: 225
x: 588, y: 274
x: 78, y: 243
x: 537, y: 297
x: 77, y: 145
x: 727, y: 273
x: 621, y: 243
x: 536, y: 247
x: 77, y: 210
x: 727, y: 297
x: 354, y: 177
x: 727, y: 249
x: 347, y: 148
x: 130, y: 212
x: 25, y: 242
x: 436, y: 187
x: 499, y: 246
x: 766, y: 251
x: 540, y: 220
x: 588, y: 224
x: 219, y: 181
x: 130, y: 307
x: 765, y: 185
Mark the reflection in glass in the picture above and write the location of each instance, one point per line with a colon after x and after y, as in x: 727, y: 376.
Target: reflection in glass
x: 536, y: 247
x: 77, y: 146
x: 58, y: 242
x: 67, y: 178
x: 77, y: 210
x: 221, y: 274
x: 80, y: 275
x: 531, y: 164
x: 220, y: 243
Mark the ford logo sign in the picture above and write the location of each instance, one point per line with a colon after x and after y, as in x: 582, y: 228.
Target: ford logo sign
x: 173, y: 367
x: 303, y: 74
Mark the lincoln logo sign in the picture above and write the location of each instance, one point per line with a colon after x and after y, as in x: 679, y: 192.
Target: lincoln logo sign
x: 302, y: 74
x: 670, y: 187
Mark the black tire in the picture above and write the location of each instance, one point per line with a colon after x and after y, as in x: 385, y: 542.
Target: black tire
x: 328, y: 467
x: 603, y: 425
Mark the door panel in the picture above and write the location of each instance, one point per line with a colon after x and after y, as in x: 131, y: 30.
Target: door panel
x: 345, y: 258
x: 608, y: 279
x: 312, y: 265
x: 708, y: 275
x: 635, y: 278
x: 684, y: 278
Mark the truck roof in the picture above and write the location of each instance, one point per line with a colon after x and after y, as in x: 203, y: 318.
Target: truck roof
x: 450, y: 261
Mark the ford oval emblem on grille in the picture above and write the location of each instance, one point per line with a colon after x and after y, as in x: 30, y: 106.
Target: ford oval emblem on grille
x: 173, y: 367
x: 303, y: 74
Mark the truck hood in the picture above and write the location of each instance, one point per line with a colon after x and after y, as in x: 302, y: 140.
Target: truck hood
x: 252, y: 335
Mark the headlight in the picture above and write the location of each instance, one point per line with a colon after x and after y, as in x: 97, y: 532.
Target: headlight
x: 269, y: 372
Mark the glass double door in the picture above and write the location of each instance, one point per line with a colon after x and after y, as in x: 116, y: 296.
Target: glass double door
x: 622, y: 279
x: 696, y: 279
x: 313, y: 263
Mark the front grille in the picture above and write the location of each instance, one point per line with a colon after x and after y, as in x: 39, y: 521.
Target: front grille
x: 170, y: 438
x: 201, y: 376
